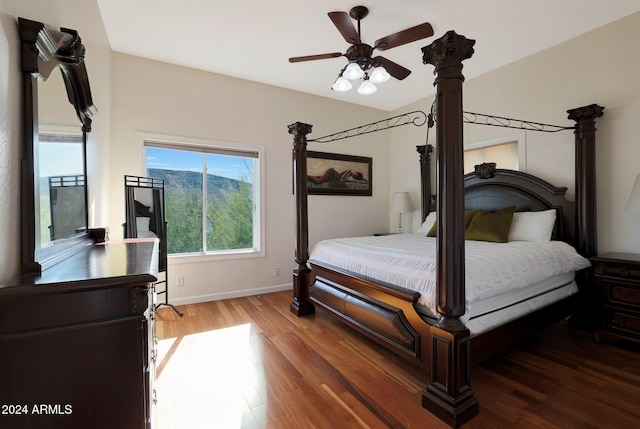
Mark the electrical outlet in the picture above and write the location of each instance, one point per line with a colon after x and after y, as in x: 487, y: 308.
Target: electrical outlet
x: 276, y: 271
x: 180, y: 281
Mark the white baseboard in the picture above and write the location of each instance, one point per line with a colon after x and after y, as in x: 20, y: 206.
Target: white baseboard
x: 228, y: 295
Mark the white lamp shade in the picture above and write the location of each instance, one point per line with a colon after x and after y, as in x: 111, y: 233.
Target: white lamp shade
x: 634, y: 199
x: 367, y: 87
x: 353, y: 71
x: 379, y: 75
x: 341, y: 84
x: 401, y: 203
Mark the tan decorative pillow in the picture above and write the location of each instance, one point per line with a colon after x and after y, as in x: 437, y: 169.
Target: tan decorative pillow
x: 493, y: 227
x: 468, y: 216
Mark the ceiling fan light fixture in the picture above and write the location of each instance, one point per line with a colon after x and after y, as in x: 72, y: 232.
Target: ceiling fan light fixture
x: 353, y: 71
x: 341, y: 84
x: 379, y: 75
x: 367, y: 87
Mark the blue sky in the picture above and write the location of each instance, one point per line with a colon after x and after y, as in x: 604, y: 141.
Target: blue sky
x: 232, y: 167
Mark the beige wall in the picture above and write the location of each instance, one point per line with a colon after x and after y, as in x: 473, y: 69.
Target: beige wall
x: 134, y: 95
x: 599, y: 67
x: 155, y: 97
x: 83, y: 16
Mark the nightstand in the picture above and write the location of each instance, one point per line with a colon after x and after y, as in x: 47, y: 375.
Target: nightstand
x: 617, y: 277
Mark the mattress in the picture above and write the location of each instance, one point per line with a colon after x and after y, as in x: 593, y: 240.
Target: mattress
x: 502, y: 280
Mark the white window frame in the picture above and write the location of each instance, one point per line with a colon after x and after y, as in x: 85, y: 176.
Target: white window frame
x: 259, y: 221
x: 520, y: 138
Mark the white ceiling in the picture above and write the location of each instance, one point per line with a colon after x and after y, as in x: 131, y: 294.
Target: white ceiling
x: 253, y: 39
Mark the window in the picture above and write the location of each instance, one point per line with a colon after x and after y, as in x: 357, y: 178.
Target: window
x: 507, y: 152
x: 61, y: 186
x: 212, y: 196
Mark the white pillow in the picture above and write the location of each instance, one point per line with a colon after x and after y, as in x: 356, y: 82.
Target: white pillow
x: 532, y: 226
x: 428, y: 223
x: 142, y: 223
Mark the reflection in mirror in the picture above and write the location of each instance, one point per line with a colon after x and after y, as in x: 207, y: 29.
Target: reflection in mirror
x: 61, y: 181
x: 53, y: 183
x: 62, y: 187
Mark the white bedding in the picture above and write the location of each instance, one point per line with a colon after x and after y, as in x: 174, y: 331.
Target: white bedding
x: 491, y: 269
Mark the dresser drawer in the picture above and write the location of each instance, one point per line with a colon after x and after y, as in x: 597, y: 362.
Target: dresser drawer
x: 620, y: 292
x: 621, y: 270
x: 626, y: 322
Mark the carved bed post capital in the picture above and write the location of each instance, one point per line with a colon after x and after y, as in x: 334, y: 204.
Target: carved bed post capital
x: 448, y: 52
x: 300, y: 304
x: 300, y: 129
x: 586, y: 114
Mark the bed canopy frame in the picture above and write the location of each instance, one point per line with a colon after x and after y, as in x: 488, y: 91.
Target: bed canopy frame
x: 445, y: 348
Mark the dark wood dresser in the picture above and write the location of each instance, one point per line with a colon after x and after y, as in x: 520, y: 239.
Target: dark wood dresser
x: 617, y: 278
x: 77, y: 343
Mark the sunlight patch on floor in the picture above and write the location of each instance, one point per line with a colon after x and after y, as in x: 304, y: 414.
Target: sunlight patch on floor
x: 187, y: 368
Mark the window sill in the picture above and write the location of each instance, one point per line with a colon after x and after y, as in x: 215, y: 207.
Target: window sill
x: 192, y: 258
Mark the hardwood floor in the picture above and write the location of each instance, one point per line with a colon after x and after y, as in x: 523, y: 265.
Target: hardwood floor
x: 250, y: 363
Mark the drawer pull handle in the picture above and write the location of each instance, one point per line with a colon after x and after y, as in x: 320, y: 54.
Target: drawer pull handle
x: 624, y: 272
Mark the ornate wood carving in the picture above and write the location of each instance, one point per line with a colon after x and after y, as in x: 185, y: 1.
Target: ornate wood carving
x: 138, y: 299
x: 486, y: 170
x: 448, y: 394
x: 301, y: 305
x: 71, y: 62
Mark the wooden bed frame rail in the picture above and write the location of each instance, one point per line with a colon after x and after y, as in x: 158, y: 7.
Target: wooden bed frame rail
x: 386, y: 313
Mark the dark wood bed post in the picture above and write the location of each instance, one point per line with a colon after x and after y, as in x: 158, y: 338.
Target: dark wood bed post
x: 425, y: 176
x: 449, y: 395
x: 585, y: 134
x: 301, y: 306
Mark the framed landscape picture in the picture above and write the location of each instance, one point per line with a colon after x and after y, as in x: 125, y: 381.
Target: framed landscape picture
x: 337, y: 174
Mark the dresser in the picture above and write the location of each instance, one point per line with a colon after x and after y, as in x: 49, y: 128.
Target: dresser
x: 617, y: 279
x: 77, y: 342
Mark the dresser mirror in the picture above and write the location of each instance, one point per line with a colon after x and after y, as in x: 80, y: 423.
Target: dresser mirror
x: 58, y: 112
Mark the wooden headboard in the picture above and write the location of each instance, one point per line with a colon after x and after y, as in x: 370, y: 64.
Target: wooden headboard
x: 491, y: 189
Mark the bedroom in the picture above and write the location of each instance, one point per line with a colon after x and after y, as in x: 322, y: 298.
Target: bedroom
x: 595, y: 67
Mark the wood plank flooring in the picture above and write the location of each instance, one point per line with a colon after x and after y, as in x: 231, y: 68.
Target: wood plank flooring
x: 250, y: 363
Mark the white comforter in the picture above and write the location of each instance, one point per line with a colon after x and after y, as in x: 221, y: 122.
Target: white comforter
x: 409, y: 260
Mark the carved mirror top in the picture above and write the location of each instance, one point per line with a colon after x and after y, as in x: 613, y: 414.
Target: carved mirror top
x: 43, y: 50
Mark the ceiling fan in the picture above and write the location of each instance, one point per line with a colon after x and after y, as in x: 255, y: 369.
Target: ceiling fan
x: 359, y: 54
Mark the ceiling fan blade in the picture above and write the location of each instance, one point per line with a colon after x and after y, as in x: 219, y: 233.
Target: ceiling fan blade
x: 409, y: 35
x: 394, y: 69
x: 315, y: 57
x: 343, y: 23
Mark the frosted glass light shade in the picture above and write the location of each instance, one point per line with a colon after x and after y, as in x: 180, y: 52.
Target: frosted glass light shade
x: 353, y: 71
x: 367, y: 87
x: 379, y: 75
x: 341, y: 84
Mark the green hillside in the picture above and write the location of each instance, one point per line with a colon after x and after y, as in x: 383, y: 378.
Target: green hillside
x: 190, y: 180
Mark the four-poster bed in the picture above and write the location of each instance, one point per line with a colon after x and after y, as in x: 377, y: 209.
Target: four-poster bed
x: 390, y: 314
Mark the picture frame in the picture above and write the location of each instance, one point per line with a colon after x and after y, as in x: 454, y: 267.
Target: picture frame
x: 338, y: 174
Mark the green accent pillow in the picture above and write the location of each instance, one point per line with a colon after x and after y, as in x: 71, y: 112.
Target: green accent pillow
x: 493, y: 227
x: 468, y: 216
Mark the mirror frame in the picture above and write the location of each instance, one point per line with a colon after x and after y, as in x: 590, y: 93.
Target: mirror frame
x: 41, y: 55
